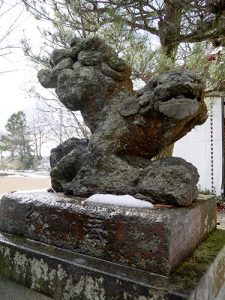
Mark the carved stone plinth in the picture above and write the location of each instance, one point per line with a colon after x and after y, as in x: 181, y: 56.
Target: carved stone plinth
x: 156, y: 240
x: 65, y: 275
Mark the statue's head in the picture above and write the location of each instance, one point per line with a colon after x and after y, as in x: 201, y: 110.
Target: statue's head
x: 86, y: 76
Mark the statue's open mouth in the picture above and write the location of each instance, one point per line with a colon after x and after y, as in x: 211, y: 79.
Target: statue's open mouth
x: 178, y: 108
x: 178, y: 95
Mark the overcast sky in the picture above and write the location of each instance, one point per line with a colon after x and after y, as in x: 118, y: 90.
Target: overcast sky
x: 16, y: 73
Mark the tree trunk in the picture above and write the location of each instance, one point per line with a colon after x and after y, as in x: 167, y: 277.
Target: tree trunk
x: 169, y: 27
x: 167, y: 152
x: 169, y: 30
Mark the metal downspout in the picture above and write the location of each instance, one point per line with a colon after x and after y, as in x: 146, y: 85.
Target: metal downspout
x: 222, y: 117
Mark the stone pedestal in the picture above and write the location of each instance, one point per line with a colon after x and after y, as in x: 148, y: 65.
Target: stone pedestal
x: 65, y: 275
x: 155, y: 240
x: 66, y: 249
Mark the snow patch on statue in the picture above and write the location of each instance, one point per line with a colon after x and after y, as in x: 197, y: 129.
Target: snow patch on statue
x: 117, y: 200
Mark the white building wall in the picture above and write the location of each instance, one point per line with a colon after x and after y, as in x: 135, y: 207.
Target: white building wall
x: 195, y: 147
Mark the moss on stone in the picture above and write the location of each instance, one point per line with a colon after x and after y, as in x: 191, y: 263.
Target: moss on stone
x: 193, y: 269
x: 5, y: 263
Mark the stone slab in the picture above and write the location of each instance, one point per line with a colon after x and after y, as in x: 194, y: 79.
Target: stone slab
x: 66, y: 275
x: 156, y: 240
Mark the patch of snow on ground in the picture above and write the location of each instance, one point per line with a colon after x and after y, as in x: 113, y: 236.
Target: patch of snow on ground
x: 123, y: 200
x: 30, y: 191
x: 24, y: 192
x: 28, y: 173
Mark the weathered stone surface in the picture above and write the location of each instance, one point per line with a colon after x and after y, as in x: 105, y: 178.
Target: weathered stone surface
x: 118, y: 64
x: 44, y: 76
x: 128, y: 128
x: 74, y: 41
x: 66, y: 63
x: 90, y: 58
x: 60, y: 54
x: 75, y: 87
x: 66, y: 160
x: 170, y: 179
x: 119, y: 76
x: 130, y: 107
x: 64, y: 275
x: 65, y: 148
x: 156, y: 240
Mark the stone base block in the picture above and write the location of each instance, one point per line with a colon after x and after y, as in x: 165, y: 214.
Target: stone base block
x: 156, y: 240
x: 66, y: 275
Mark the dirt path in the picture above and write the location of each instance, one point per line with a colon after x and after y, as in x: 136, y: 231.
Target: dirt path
x: 9, y: 184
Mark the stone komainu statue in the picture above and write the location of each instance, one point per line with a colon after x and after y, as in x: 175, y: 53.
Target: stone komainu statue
x: 128, y: 127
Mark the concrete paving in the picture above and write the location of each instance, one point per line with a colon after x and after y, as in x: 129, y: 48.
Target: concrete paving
x: 10, y: 290
x: 221, y: 220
